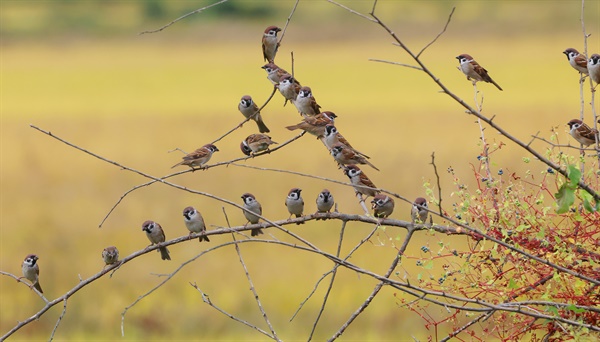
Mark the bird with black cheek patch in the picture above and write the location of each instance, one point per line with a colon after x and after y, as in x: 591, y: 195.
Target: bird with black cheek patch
x: 270, y: 43
x: 306, y: 103
x: 31, y: 271
x: 295, y: 203
x: 275, y: 74
x: 324, y: 201
x: 199, y: 157
x: 256, y: 143
x: 593, y: 67
x: 249, y: 110
x: 418, y: 212
x: 583, y: 133
x: 474, y: 71
x: 577, y: 60
x: 289, y: 88
x: 194, y: 222
x: 362, y: 184
x: 254, y: 209
x: 382, y: 205
x: 347, y: 156
x: 156, y: 235
x: 333, y: 137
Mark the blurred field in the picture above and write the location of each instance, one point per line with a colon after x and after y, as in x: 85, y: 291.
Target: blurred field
x: 133, y: 98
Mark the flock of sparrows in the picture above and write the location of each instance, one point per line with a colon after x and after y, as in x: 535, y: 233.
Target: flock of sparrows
x: 320, y: 124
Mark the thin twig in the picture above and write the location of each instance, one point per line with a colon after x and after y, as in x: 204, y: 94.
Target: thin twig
x: 183, y: 16
x: 59, y: 320
x: 206, y: 299
x: 352, y: 11
x: 439, y: 186
x: 395, y: 63
x: 439, y: 34
x: 287, y: 22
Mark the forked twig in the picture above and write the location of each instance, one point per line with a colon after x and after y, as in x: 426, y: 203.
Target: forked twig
x: 183, y: 17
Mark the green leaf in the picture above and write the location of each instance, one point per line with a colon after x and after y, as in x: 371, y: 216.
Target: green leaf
x: 512, y: 284
x: 587, y: 201
x: 575, y: 309
x: 552, y: 309
x: 428, y: 265
x: 574, y: 174
x: 565, y: 197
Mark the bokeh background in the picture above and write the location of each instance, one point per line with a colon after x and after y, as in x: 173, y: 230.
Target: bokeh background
x: 80, y: 70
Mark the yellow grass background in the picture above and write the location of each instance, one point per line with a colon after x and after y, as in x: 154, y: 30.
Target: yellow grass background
x: 133, y: 98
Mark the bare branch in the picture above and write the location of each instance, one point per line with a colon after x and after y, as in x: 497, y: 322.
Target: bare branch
x: 183, y: 17
x: 439, y: 34
x: 352, y: 11
x: 437, y: 177
x: 288, y: 22
x: 59, y: 320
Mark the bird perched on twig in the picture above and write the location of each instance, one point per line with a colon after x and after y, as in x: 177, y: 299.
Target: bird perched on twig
x: 249, y: 109
x: 31, y: 271
x: 577, y: 60
x: 275, y: 73
x: 419, y: 212
x: 289, y: 87
x: 110, y: 255
x: 199, y: 157
x: 194, y: 222
x: 347, y: 156
x: 382, y: 205
x: 583, y: 133
x: 255, y: 143
x: 251, y: 204
x: 362, y: 184
x: 474, y: 71
x: 324, y: 201
x: 295, y: 203
x: 333, y: 137
x: 156, y: 235
x: 270, y: 43
x: 306, y: 103
x: 593, y: 67
x: 316, y: 124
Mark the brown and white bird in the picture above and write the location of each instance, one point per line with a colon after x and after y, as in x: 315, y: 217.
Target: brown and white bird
x: 274, y: 73
x: 249, y: 109
x: 324, y: 201
x: 593, y: 67
x: 156, y: 235
x: 419, y: 210
x: 333, y: 137
x: 31, y: 271
x: 295, y: 203
x: 382, y: 205
x: 255, y: 143
x: 360, y: 181
x: 269, y: 43
x: 199, y: 157
x: 306, y: 103
x: 474, y: 71
x: 110, y: 255
x: 289, y: 88
x: 194, y: 222
x: 251, y: 204
x: 583, y: 133
x: 316, y: 124
x: 577, y: 60
x: 347, y: 156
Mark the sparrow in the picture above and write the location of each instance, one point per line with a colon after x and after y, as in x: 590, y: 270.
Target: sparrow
x: 295, y: 203
x: 306, y: 103
x: 332, y: 137
x: 110, y: 255
x: 474, y: 71
x: 156, y: 235
x: 255, y: 143
x: 324, y: 201
x: 250, y: 203
x: 316, y: 124
x: 593, y: 67
x: 577, y: 60
x: 269, y: 43
x: 382, y: 205
x: 31, y: 271
x: 250, y: 111
x: 194, y: 222
x: 419, y: 210
x: 199, y: 157
x: 359, y: 179
x: 583, y: 133
x: 346, y: 156
x: 289, y: 87
x: 274, y: 73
